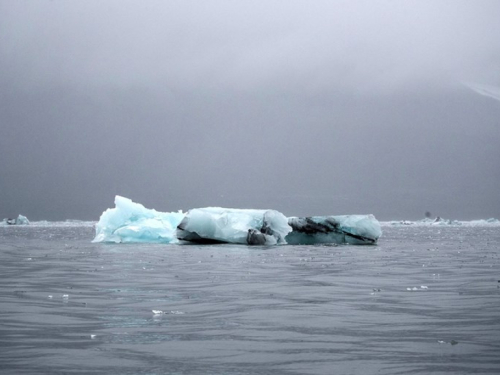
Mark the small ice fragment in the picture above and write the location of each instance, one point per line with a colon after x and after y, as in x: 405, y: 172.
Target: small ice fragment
x: 424, y: 287
x: 441, y: 342
x: 414, y: 288
x: 50, y: 296
x: 176, y: 312
x: 65, y: 296
x: 92, y: 337
x: 157, y: 312
x: 408, y: 288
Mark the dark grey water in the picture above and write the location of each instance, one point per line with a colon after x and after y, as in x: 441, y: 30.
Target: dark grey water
x: 68, y: 306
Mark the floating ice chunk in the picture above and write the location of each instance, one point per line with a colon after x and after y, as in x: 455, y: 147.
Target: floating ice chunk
x: 241, y: 226
x: 424, y: 287
x: 132, y: 222
x: 20, y: 220
x: 92, y: 337
x: 412, y: 289
x: 351, y: 229
x: 173, y: 312
x: 452, y: 342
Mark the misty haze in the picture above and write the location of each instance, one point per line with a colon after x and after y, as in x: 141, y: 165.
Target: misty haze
x: 323, y: 108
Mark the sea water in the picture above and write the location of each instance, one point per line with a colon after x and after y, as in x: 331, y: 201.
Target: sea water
x: 425, y: 300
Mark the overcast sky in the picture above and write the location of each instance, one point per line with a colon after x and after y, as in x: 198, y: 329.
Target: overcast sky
x: 307, y: 107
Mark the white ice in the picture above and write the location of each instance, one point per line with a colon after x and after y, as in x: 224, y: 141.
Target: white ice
x: 132, y: 222
x: 240, y: 226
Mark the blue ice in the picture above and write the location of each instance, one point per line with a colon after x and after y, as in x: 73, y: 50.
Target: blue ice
x: 132, y: 222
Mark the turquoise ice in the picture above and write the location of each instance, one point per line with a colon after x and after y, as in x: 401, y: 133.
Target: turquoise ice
x: 132, y: 222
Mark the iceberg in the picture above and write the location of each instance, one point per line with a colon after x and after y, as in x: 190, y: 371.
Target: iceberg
x: 239, y: 226
x: 131, y: 222
x: 345, y: 229
x: 21, y: 220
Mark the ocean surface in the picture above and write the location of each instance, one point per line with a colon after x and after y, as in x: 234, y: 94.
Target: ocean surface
x: 425, y: 300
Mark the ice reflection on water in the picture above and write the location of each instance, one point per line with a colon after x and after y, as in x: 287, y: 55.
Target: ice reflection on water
x: 250, y: 310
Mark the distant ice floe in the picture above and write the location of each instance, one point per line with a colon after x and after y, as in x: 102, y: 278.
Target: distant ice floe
x: 160, y: 312
x: 66, y: 223
x: 442, y: 222
x: 20, y: 220
x: 131, y: 222
x: 23, y: 220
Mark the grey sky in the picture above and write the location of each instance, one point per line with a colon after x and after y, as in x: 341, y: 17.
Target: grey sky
x: 324, y: 107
